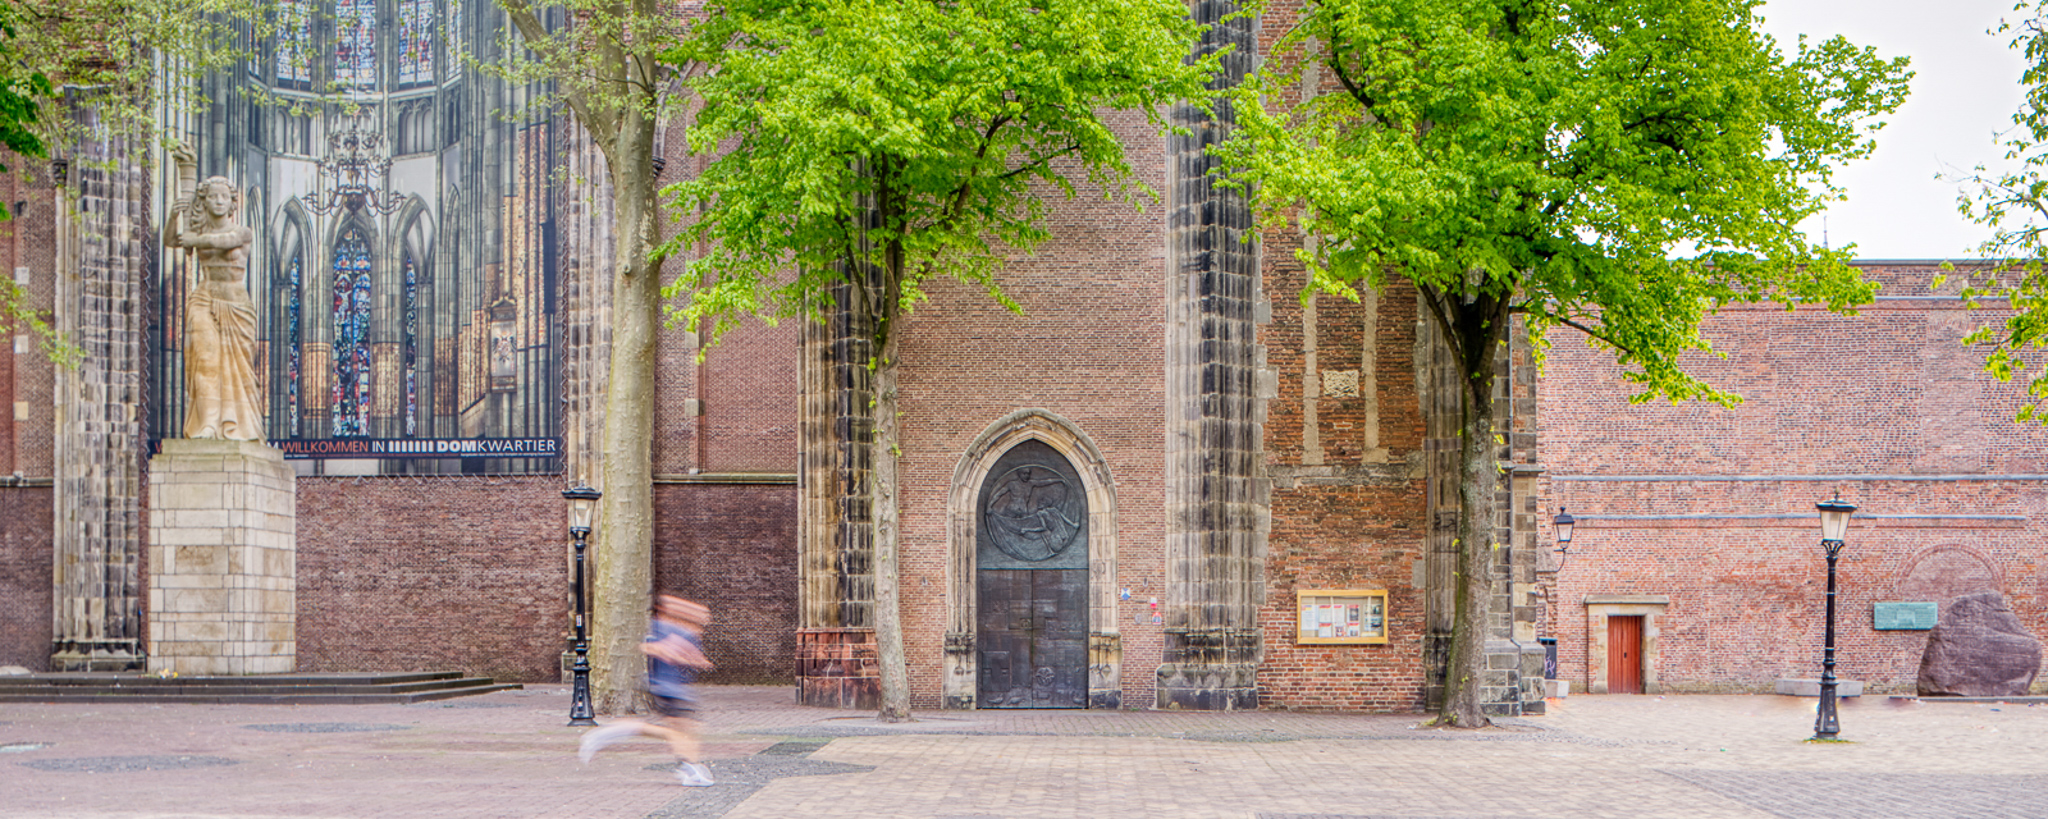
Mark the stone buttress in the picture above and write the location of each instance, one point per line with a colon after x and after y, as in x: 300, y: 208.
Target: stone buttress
x: 1217, y: 495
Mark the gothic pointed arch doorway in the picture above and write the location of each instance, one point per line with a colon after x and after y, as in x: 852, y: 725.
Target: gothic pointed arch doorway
x: 1031, y: 568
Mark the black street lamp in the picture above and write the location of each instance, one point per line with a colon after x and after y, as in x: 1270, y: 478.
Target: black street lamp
x: 1834, y: 523
x: 582, y: 504
x: 1561, y: 527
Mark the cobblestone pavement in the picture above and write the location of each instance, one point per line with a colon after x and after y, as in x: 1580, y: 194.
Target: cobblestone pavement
x: 509, y: 755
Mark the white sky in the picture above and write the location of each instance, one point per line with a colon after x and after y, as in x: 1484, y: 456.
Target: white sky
x: 1965, y: 91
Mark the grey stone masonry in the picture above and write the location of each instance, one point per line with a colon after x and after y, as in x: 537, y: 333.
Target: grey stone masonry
x: 836, y: 642
x: 837, y: 537
x: 1513, y: 677
x: 587, y: 298
x: 223, y: 590
x: 102, y: 242
x: 1217, y: 494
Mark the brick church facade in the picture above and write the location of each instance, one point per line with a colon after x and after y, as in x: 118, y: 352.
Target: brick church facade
x: 1215, y: 479
x: 1224, y: 457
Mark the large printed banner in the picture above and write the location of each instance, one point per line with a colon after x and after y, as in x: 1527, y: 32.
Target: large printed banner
x: 306, y: 448
x: 405, y: 268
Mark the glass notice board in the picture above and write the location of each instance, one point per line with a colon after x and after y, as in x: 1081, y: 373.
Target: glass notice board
x: 1341, y: 616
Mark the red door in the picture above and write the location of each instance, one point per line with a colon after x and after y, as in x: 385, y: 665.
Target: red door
x: 1625, y: 655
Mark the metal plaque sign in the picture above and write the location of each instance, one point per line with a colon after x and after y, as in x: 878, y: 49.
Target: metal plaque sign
x: 1904, y: 616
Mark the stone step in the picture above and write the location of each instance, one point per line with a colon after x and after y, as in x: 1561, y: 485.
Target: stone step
x: 102, y: 679
x: 254, y: 688
x: 278, y: 689
x: 1810, y: 687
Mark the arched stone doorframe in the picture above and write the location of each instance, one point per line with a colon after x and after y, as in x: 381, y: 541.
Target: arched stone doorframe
x: 1105, y: 648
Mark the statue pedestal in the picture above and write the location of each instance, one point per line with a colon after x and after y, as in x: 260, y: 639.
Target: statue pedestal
x: 223, y: 582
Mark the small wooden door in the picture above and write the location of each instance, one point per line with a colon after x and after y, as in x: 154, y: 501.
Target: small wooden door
x: 1625, y: 654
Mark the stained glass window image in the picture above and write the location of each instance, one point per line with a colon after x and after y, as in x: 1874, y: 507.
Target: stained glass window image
x: 412, y: 346
x: 355, y: 44
x: 292, y: 363
x: 351, y: 391
x: 415, y: 42
x: 293, y: 62
x: 454, y: 34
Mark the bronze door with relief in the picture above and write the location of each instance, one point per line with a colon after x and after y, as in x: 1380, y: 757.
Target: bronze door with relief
x: 1031, y: 582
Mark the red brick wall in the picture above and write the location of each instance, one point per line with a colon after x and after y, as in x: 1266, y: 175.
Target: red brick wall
x: 733, y: 547
x: 405, y: 574
x: 27, y: 379
x: 1885, y: 407
x: 748, y: 382
x: 26, y: 383
x: 25, y: 577
x: 1365, y: 533
x: 434, y: 574
x: 748, y: 386
x: 1348, y: 537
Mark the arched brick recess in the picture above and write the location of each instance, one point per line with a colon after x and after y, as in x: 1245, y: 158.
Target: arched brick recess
x: 1947, y: 570
x: 1105, y: 652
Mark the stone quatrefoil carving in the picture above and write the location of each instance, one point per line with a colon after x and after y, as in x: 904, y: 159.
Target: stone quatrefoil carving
x: 1032, y: 513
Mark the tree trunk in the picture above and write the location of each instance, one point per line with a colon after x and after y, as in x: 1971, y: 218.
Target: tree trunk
x: 1477, y: 476
x: 624, y: 557
x: 887, y: 304
x: 888, y: 611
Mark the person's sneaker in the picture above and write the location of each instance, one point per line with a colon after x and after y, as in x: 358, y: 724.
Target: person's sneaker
x: 691, y: 774
x: 596, y: 739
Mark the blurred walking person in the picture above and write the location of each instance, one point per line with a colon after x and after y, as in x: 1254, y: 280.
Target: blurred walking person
x: 675, y: 649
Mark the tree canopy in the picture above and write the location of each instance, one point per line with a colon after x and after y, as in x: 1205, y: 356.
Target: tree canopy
x: 945, y: 116
x: 118, y: 53
x: 1621, y: 167
x: 2015, y: 205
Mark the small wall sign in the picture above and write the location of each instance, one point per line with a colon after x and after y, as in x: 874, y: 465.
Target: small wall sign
x: 1341, y: 616
x: 1904, y: 616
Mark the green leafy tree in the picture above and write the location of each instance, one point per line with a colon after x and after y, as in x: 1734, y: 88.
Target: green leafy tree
x: 1622, y: 167
x: 873, y: 145
x: 118, y: 53
x: 601, y: 58
x: 22, y: 89
x: 2015, y: 205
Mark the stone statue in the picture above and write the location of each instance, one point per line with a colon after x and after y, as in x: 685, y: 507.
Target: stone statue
x: 220, y: 320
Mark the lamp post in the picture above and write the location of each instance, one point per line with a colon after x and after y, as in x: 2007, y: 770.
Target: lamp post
x: 1561, y: 526
x: 582, y: 503
x: 1834, y: 522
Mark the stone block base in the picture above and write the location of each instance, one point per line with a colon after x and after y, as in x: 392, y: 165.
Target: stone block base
x: 838, y: 668
x: 110, y: 656
x: 1105, y: 670
x: 223, y: 589
x: 1511, y: 685
x: 1204, y: 687
x: 1513, y: 680
x: 1810, y: 687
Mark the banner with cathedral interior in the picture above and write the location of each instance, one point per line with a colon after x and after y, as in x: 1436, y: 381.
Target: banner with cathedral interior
x: 405, y: 263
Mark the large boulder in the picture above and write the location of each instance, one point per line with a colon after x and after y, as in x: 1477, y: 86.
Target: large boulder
x: 1979, y: 649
